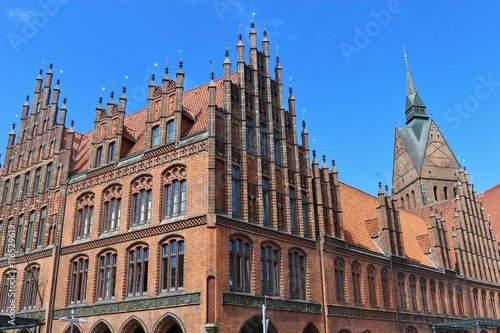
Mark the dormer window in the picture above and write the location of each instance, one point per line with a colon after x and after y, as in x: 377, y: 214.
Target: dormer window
x: 111, y: 152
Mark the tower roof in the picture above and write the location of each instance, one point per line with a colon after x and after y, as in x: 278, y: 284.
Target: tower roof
x: 415, y: 107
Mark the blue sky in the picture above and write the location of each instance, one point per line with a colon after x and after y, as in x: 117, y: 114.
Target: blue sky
x: 345, y: 59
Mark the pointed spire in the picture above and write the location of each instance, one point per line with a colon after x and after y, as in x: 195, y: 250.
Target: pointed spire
x: 415, y: 107
x: 166, y: 78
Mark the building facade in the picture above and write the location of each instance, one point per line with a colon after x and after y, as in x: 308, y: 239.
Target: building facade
x: 189, y: 215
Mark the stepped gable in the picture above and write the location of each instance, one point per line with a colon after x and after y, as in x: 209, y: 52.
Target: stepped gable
x: 490, y: 200
x: 359, y: 207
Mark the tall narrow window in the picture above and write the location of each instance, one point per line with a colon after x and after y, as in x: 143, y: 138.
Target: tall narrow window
x: 442, y: 296
x: 155, y: 136
x: 112, y: 209
x: 445, y: 190
x: 413, y: 292
x: 26, y: 184
x: 8, y: 297
x: 384, y: 274
x: 338, y: 266
x: 138, y: 271
x: 432, y: 284
x: 484, y: 303
x: 435, y: 193
x: 370, y: 273
x: 402, y: 291
x: 475, y: 295
x: 6, y: 188
x: 15, y: 191
x: 266, y: 214
x: 452, y: 298
x: 460, y: 301
x: 277, y: 148
x: 293, y: 210
x: 263, y: 141
x: 493, y: 306
x: 85, y: 216
x: 8, y: 247
x: 269, y: 270
x: 236, y: 190
x: 48, y: 175
x: 37, y: 180
x: 19, y: 233
x: 170, y: 131
x: 29, y: 230
x: 423, y: 294
x: 142, y: 198
x: 41, y: 227
x: 172, y: 265
x: 305, y: 214
x: 175, y: 192
x: 356, y: 282
x: 296, y: 267
x: 78, y: 283
x: 239, y: 265
x: 106, y: 280
x: 30, y: 290
x: 98, y: 158
x: 249, y: 135
x: 111, y: 152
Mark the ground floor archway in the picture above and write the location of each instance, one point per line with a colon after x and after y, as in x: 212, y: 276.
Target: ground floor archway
x: 254, y: 325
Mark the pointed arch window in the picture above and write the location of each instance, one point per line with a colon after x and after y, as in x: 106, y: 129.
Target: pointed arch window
x: 297, y: 270
x: 15, y: 191
x: 293, y: 210
x: 442, y: 296
x: 172, y: 265
x: 6, y: 189
x: 355, y: 281
x: 175, y: 192
x: 30, y: 290
x: 413, y: 292
x: 277, y: 148
x: 484, y: 303
x: 493, y: 306
x: 423, y: 294
x: 475, y: 294
x: 460, y: 300
x: 8, y: 291
x: 48, y: 175
x: 106, y: 280
x: 138, y: 259
x: 29, y: 230
x: 78, y: 283
x: 239, y: 265
x: 432, y: 284
x: 384, y: 275
x: 26, y: 184
x: 112, y: 209
x: 339, y: 269
x: 269, y: 270
x: 19, y: 233
x: 305, y: 214
x: 402, y: 291
x: 38, y: 173
x: 411, y: 329
x: 372, y: 292
x: 236, y: 190
x: 85, y: 216
x: 142, y: 200
x: 451, y: 299
x: 41, y: 227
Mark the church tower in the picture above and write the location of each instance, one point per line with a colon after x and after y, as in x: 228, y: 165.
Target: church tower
x: 425, y: 169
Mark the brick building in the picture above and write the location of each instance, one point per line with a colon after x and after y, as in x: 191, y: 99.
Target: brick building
x: 190, y: 214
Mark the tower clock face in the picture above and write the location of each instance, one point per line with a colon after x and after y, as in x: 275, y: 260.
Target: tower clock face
x: 439, y: 155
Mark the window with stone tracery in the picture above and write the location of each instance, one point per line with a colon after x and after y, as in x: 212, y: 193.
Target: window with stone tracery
x: 85, y: 215
x: 112, y: 209
x: 142, y: 200
x: 175, y: 191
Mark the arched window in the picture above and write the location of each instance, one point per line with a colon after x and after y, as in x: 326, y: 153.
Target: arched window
x: 339, y: 268
x: 435, y: 193
x: 297, y: 270
x: 432, y: 284
x: 414, y: 200
x: 484, y: 303
x: 138, y: 259
x: 305, y: 214
x: 78, y: 283
x: 85, y: 215
x: 411, y: 329
x: 239, y: 265
x: 172, y: 265
x: 30, y: 290
x: 493, y: 306
x: 355, y: 281
x: 41, y: 227
x: 6, y: 188
x: 29, y: 231
x: 277, y: 148
x: 402, y: 291
x: 15, y: 191
x: 423, y: 293
x: 413, y: 292
x: 293, y: 210
x: 48, y: 174
x: 19, y: 233
x: 8, y: 291
x: 408, y: 202
x: 175, y: 191
x: 402, y: 203
x: 142, y: 200
x: 26, y: 184
x: 460, y: 300
x: 445, y: 191
x: 38, y: 173
x: 370, y: 273
x: 269, y: 270
x: 40, y: 153
x: 236, y: 190
x: 442, y: 296
x: 170, y: 131
x: 155, y: 136
x: 112, y: 209
x: 384, y: 278
x: 475, y: 294
x: 106, y: 279
x: 451, y: 299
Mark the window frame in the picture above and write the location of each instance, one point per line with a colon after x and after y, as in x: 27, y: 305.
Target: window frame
x: 339, y: 278
x: 78, y: 282
x: 270, y: 270
x: 137, y: 271
x: 84, y: 216
x: 142, y: 201
x: 240, y: 252
x: 172, y: 265
x: 30, y: 290
x: 356, y: 282
x: 106, y: 276
x: 112, y: 209
x: 297, y: 271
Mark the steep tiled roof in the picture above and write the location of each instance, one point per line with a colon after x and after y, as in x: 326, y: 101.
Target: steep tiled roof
x: 359, y: 210
x: 81, y: 152
x: 491, y: 203
x: 136, y: 126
